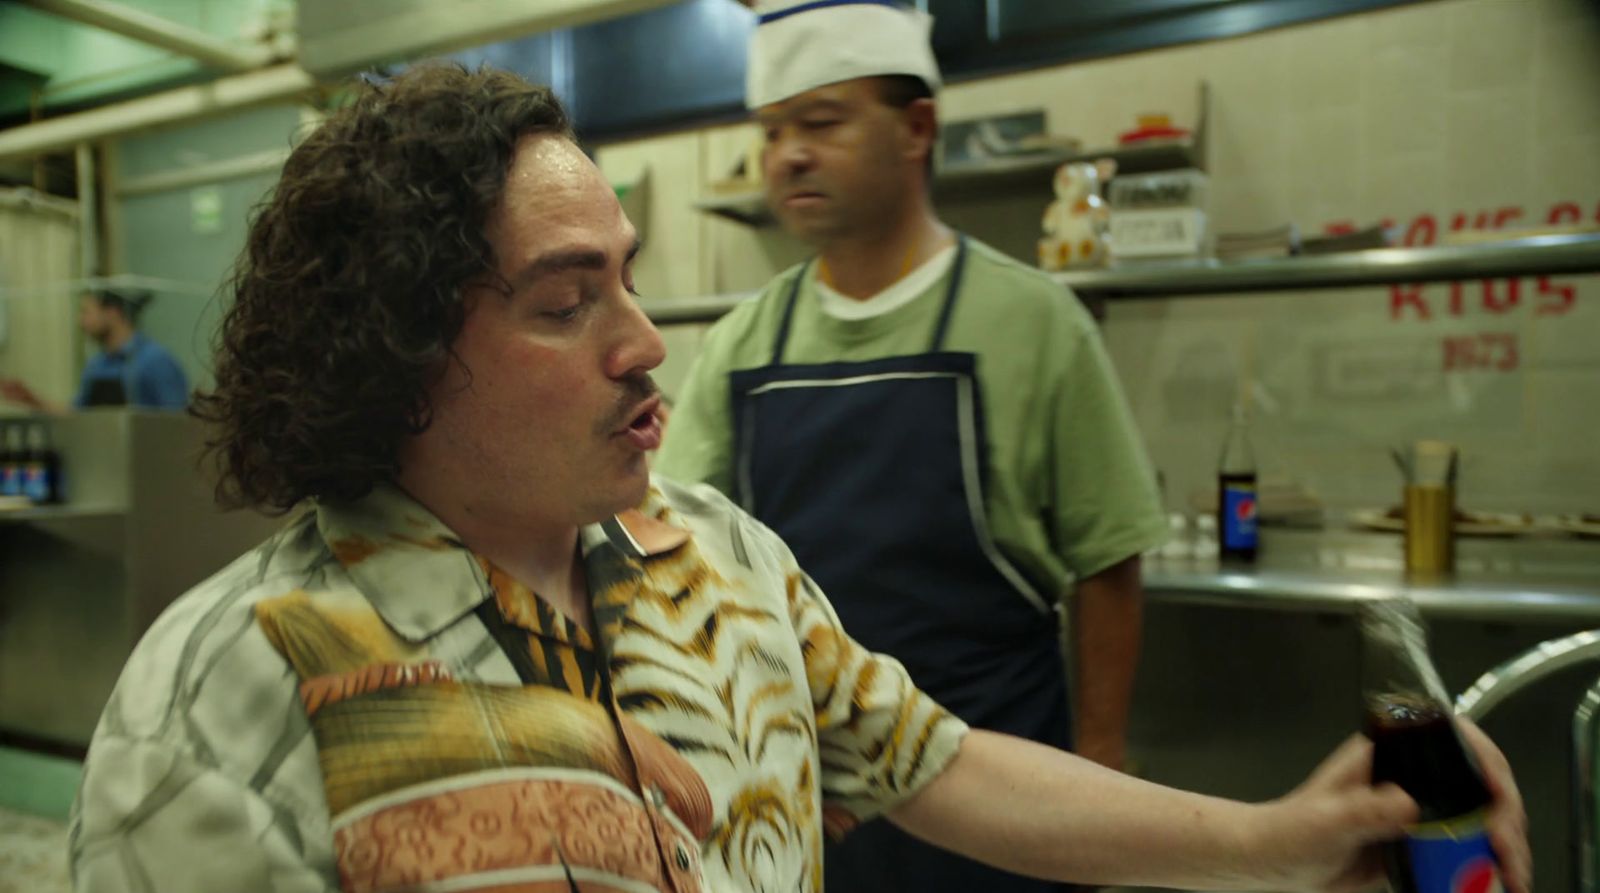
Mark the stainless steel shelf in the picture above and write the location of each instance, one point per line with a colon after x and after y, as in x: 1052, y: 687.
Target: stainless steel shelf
x: 1538, y: 255
x: 61, y: 513
x: 1033, y: 172
x: 959, y: 181
x: 1384, y: 266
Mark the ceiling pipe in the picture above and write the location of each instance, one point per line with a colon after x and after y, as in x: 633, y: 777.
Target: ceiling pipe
x: 276, y: 84
x: 160, y: 32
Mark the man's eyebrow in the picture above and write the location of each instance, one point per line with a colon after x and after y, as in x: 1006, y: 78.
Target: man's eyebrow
x: 813, y: 106
x: 556, y: 262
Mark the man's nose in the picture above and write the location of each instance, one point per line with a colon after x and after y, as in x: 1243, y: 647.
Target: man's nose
x: 640, y: 349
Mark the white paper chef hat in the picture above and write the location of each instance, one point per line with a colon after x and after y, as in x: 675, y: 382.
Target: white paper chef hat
x: 800, y: 45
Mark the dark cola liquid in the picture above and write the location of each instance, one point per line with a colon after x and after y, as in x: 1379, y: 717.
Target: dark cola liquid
x: 1415, y: 745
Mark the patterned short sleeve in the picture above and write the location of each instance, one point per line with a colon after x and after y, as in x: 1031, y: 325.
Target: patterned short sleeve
x: 881, y: 738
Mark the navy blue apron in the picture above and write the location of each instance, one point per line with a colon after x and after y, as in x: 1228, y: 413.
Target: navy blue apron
x: 873, y: 472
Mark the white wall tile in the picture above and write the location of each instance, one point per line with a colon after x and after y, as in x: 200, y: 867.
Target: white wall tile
x: 1325, y: 61
x: 1491, y: 146
x: 1491, y: 43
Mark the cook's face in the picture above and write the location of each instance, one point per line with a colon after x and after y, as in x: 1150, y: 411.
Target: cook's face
x: 550, y: 412
x: 92, y: 318
x: 832, y: 159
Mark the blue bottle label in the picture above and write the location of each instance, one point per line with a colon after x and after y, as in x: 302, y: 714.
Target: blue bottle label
x: 1238, y: 516
x: 36, y: 483
x: 1454, y: 857
x: 11, y: 480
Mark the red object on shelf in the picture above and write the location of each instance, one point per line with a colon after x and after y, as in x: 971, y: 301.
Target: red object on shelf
x: 1152, y: 133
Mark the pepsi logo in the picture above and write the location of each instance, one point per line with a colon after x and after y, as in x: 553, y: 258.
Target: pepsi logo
x: 1245, y: 509
x: 1477, y: 875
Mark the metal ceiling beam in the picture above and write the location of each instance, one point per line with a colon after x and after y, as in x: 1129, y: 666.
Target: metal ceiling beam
x: 337, y: 37
x: 277, y: 84
x: 160, y: 32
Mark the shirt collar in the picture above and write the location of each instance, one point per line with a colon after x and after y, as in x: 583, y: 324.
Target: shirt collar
x: 420, y: 576
x: 128, y: 348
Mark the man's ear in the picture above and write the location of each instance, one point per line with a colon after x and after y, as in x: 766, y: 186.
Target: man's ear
x: 922, y: 127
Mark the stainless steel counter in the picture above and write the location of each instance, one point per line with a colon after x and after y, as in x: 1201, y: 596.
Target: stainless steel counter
x: 1535, y: 579
x: 1250, y: 675
x: 1464, y: 598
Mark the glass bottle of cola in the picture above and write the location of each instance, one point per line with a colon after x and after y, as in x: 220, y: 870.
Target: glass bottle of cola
x: 1418, y: 747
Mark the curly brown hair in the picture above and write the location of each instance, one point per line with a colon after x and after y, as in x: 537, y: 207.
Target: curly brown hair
x: 346, y: 298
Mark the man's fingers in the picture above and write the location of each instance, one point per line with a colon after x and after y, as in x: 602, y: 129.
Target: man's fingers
x: 1350, y: 765
x: 1508, y: 817
x: 1510, y: 844
x: 1381, y: 813
x: 1496, y: 770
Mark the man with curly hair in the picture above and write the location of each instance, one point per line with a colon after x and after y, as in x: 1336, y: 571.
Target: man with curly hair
x: 491, y: 653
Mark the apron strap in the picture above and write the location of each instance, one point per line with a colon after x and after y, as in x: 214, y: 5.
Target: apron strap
x: 788, y: 316
x: 950, y: 295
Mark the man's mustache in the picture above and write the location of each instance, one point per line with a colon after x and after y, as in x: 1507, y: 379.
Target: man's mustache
x: 635, y: 390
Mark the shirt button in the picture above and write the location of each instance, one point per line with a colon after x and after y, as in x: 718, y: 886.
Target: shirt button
x: 683, y: 858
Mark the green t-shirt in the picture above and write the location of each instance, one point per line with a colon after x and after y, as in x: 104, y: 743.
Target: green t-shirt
x: 1070, y: 490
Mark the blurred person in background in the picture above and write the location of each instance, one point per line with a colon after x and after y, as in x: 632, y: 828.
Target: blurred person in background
x: 130, y: 368
x: 934, y: 428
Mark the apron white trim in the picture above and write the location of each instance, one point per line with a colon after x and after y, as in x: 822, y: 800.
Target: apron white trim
x: 972, y: 479
x: 975, y: 501
x: 845, y: 382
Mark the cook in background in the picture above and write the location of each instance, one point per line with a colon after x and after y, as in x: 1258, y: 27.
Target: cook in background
x: 933, y: 427
x: 130, y: 370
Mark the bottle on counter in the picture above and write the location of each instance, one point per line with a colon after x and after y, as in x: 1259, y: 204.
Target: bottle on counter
x: 41, y: 469
x: 1236, y: 493
x: 1418, y: 747
x: 11, y: 458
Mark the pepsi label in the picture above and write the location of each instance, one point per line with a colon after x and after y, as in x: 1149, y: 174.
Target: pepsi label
x: 1453, y: 857
x: 36, y: 483
x: 1238, y: 516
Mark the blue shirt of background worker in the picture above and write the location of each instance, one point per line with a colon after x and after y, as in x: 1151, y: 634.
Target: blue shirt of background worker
x: 130, y: 369
x: 140, y: 373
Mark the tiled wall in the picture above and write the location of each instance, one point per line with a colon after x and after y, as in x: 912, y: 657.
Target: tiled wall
x: 1447, y: 110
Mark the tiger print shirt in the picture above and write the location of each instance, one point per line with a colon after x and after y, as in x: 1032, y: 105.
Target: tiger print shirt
x: 363, y: 704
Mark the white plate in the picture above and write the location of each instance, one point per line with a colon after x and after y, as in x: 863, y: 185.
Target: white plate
x: 1481, y: 524
x: 1575, y: 525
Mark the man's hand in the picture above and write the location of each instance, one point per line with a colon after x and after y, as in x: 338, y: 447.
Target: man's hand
x: 1324, y: 835
x: 1508, y: 820
x: 18, y: 392
x: 1034, y: 810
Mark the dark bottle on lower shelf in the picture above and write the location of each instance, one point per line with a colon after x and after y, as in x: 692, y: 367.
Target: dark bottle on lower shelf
x: 41, y: 469
x: 1236, y: 494
x: 11, y: 457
